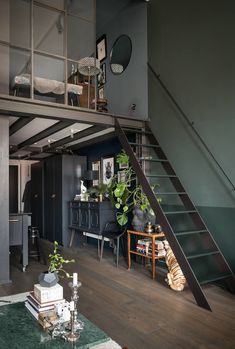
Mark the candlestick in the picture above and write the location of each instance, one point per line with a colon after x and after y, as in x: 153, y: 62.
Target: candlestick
x: 78, y: 324
x: 72, y: 336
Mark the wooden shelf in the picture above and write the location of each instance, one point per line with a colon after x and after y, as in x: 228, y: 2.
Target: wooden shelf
x: 152, y: 237
x: 145, y: 255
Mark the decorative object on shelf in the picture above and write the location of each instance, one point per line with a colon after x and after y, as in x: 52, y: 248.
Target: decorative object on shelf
x: 55, y: 269
x: 149, y: 228
x: 100, y: 191
x: 101, y: 93
x: 120, y: 54
x: 175, y: 278
x: 107, y: 169
x: 101, y: 77
x: 158, y: 228
x: 101, y: 48
x: 89, y: 66
x: 96, y: 167
x: 101, y: 105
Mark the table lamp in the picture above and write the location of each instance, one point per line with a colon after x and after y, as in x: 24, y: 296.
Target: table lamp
x: 89, y: 66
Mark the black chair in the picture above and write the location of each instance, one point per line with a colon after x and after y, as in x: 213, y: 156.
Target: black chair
x: 112, y: 232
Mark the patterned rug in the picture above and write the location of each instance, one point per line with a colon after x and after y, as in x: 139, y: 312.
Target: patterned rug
x: 15, y: 298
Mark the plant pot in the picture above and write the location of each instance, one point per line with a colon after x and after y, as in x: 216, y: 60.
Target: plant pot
x: 47, y: 279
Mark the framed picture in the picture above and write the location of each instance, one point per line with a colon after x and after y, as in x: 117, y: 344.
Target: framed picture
x: 107, y: 169
x: 101, y: 48
x: 101, y: 93
x: 96, y: 167
x: 101, y: 77
x: 121, y: 177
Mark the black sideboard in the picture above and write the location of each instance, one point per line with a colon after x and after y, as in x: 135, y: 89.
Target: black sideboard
x: 90, y: 217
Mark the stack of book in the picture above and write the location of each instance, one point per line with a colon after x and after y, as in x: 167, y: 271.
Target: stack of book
x: 44, y: 299
x: 145, y: 246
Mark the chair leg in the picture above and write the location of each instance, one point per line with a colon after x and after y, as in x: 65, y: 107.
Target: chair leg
x: 102, y: 248
x: 72, y: 237
x: 117, y: 256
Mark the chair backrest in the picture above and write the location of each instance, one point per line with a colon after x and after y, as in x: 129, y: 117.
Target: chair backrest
x: 111, y: 227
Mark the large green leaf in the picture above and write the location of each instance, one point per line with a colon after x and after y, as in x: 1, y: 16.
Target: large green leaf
x: 122, y: 219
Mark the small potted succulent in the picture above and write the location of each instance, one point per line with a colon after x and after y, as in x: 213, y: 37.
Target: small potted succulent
x: 55, y: 269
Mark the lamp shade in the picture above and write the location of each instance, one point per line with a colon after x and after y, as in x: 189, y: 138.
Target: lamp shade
x: 89, y: 66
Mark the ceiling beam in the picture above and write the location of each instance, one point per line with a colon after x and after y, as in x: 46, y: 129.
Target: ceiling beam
x: 93, y: 141
x: 13, y: 106
x: 18, y: 124
x: 78, y: 135
x: 45, y: 133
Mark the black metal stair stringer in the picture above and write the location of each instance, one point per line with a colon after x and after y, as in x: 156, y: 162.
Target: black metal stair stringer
x: 177, y: 249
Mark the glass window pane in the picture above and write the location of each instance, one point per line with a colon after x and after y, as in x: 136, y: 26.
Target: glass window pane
x: 20, y: 72
x: 82, y: 8
x: 48, y: 30
x: 81, y: 38
x: 53, y: 3
x: 20, y: 23
x: 4, y: 20
x: 49, y: 79
x: 4, y: 69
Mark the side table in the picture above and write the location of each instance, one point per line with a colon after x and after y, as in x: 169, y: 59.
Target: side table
x: 151, y: 256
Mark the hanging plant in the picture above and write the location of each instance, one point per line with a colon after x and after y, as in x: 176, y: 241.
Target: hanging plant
x: 126, y: 195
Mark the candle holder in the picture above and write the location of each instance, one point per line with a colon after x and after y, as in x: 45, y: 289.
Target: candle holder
x: 72, y: 336
x: 78, y: 325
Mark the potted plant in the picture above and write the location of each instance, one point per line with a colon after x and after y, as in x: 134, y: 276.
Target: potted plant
x: 127, y: 196
x: 55, y: 269
x: 100, y: 191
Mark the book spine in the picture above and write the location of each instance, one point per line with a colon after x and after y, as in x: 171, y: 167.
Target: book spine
x: 31, y: 310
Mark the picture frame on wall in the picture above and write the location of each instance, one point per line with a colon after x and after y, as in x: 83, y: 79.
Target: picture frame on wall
x: 101, y: 77
x: 121, y: 177
x: 107, y: 169
x: 101, y: 48
x: 95, y: 165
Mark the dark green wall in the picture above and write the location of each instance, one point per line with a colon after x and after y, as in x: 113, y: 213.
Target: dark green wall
x: 192, y: 47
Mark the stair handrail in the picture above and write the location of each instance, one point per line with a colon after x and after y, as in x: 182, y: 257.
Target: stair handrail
x: 190, y: 123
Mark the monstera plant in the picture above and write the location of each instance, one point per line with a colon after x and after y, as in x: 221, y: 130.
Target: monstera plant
x: 125, y: 194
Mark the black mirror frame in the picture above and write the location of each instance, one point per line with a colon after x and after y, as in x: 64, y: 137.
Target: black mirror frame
x: 118, y: 38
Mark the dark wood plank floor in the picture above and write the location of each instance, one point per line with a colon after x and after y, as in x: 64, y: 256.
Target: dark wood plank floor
x: 134, y: 310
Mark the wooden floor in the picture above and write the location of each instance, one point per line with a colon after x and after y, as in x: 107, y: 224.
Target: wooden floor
x: 134, y: 310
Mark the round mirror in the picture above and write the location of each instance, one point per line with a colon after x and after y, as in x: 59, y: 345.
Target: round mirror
x: 120, y: 54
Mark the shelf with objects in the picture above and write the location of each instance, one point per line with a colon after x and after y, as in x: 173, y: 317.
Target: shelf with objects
x: 143, y: 247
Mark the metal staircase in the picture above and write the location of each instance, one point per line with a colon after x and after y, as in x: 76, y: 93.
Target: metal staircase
x: 197, y: 253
